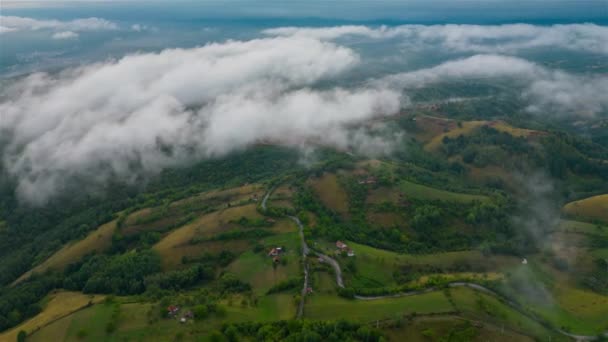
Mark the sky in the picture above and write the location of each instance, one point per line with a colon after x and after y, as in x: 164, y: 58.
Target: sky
x: 126, y: 89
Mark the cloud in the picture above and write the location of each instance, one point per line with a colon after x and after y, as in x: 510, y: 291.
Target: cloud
x: 65, y: 35
x: 13, y: 23
x: 507, y: 38
x: 4, y: 29
x: 142, y: 113
x: 139, y: 27
x: 547, y: 91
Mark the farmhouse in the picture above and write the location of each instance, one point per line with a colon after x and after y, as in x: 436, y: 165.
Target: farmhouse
x: 368, y: 180
x: 172, y: 310
x: 276, y: 251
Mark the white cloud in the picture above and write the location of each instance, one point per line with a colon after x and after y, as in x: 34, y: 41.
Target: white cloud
x: 139, y: 27
x: 4, y: 29
x: 13, y: 23
x: 120, y: 118
x: 476, y: 38
x: 548, y: 91
x: 65, y: 35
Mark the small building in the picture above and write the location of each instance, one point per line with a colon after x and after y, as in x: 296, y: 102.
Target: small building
x: 172, y: 310
x: 350, y: 253
x: 276, y: 251
x: 183, y: 320
x: 368, y: 180
x: 341, y: 245
x: 524, y: 261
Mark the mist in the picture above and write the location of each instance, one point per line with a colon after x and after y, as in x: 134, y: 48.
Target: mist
x: 134, y: 116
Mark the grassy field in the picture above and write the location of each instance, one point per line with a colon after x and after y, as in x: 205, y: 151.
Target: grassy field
x: 379, y: 265
x: 258, y: 269
x: 176, y: 244
x: 467, y: 128
x: 331, y: 193
x: 424, y: 329
x: 133, y: 322
x: 327, y: 307
x: 480, y: 306
x: 58, y: 305
x: 558, y: 299
x: 595, y: 207
x: 428, y: 193
x: 98, y: 240
x: 578, y: 227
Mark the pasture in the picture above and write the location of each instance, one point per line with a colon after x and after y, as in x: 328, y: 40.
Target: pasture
x: 423, y: 329
x: 331, y: 193
x: 177, y: 243
x: 58, y: 305
x: 328, y: 307
x: 96, y: 241
x: 424, y: 192
x: 592, y: 208
x: 259, y: 270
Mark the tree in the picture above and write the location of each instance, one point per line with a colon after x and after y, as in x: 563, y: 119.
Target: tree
x: 21, y: 336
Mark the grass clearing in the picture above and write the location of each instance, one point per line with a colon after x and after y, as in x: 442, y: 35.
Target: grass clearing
x: 331, y: 193
x: 96, y: 241
x: 578, y: 227
x: 258, y: 269
x: 379, y: 265
x: 595, y: 207
x: 467, y: 128
x: 59, y: 304
x: 424, y: 329
x: 327, y: 307
x: 176, y: 244
x: 479, y: 306
x: 428, y: 193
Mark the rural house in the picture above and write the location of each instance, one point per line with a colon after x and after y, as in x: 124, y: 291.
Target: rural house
x: 275, y: 251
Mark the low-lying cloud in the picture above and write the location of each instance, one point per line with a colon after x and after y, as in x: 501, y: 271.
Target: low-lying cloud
x: 547, y: 91
x: 146, y: 112
x: 14, y: 24
x: 65, y: 35
x: 134, y: 116
x: 506, y: 38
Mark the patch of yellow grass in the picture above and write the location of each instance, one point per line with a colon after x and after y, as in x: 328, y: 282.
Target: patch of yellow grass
x: 595, y: 207
x: 514, y: 131
x: 283, y: 191
x: 470, y: 126
x: 383, y: 194
x: 331, y: 193
x: 97, y: 241
x: 459, y: 276
x: 177, y: 243
x: 384, y: 220
x: 467, y: 128
x: 231, y: 195
x: 60, y: 305
x: 582, y: 302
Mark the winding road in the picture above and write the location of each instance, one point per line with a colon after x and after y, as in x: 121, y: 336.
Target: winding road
x: 340, y: 282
